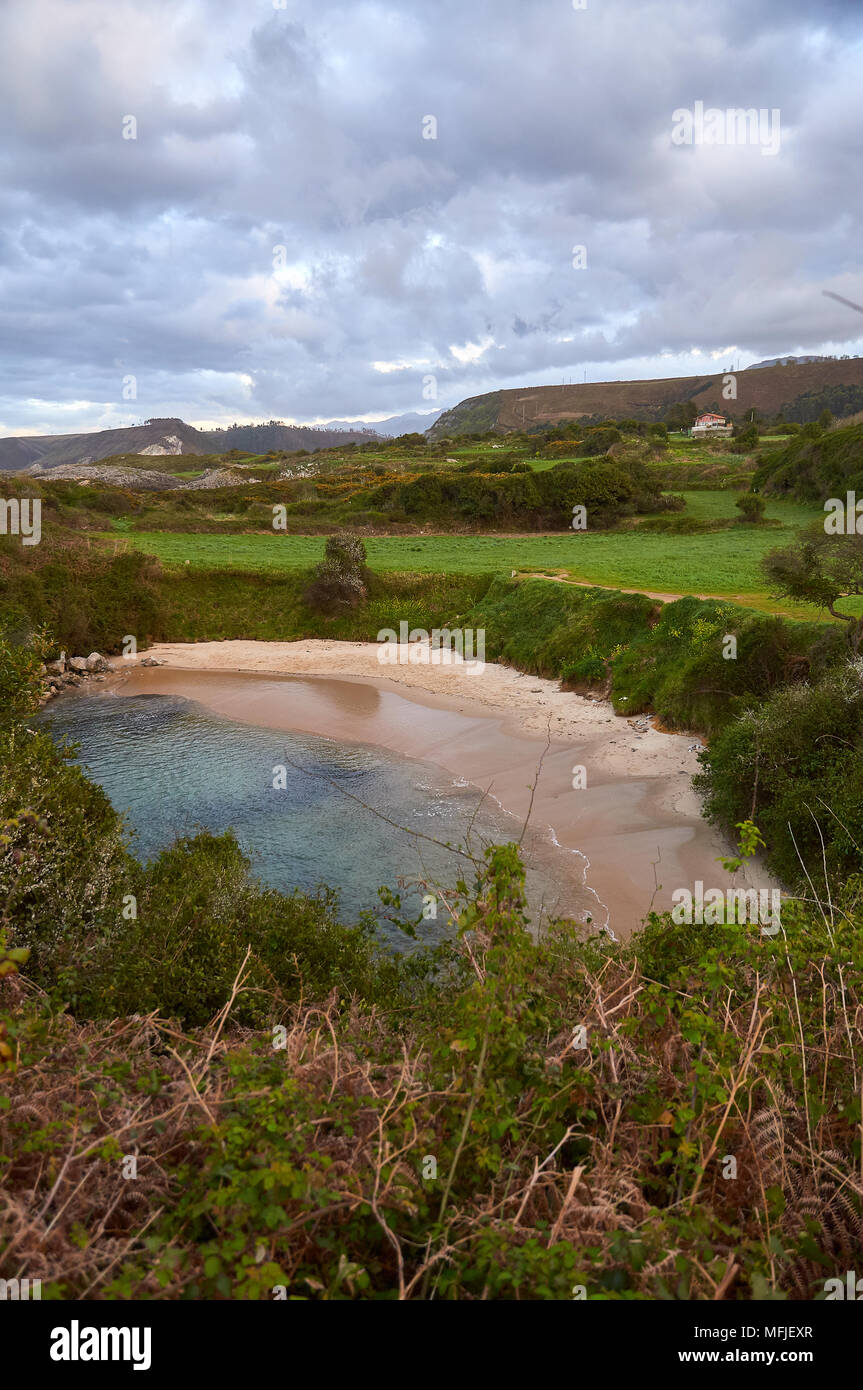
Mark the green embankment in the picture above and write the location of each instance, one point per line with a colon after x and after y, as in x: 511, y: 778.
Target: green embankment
x: 90, y: 598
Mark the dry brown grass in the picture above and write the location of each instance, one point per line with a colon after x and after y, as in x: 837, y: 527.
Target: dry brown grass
x: 69, y: 1217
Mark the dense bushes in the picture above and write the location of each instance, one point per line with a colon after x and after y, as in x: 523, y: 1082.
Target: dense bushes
x: 795, y: 764
x: 751, y: 508
x: 20, y: 666
x: 470, y: 1147
x: 840, y: 400
x: 598, y: 440
x: 606, y: 487
x: 88, y: 598
x: 745, y: 440
x: 814, y: 466
x: 109, y: 936
x: 468, y: 498
x: 557, y: 629
x: 498, y: 461
x: 685, y: 669
x: 664, y: 657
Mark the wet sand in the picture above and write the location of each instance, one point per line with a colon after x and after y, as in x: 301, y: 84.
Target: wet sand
x: 634, y: 827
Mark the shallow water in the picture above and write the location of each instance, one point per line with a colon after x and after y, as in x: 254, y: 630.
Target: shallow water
x: 173, y: 767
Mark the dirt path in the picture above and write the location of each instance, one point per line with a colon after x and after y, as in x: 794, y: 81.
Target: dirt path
x: 744, y: 600
x: 560, y: 578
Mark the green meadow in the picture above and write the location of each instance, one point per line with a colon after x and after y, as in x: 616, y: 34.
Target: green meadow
x: 725, y: 563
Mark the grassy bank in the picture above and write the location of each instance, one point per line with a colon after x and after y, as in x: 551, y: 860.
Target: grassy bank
x: 90, y: 597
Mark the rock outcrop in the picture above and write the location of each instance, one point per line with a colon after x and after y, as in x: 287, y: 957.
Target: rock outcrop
x: 67, y: 673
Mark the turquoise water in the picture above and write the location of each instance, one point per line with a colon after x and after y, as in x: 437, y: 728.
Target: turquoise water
x: 173, y: 767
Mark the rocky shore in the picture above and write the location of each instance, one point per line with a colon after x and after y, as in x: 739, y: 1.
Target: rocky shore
x: 67, y: 673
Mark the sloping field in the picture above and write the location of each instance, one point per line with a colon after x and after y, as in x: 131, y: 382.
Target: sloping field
x: 768, y: 389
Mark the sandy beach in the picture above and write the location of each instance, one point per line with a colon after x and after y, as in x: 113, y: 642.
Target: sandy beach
x: 613, y: 790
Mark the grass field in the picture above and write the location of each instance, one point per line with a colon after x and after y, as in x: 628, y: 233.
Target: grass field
x: 722, y: 563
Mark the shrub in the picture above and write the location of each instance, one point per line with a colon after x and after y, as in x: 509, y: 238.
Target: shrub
x: 746, y: 440
x: 814, y: 466
x: 751, y: 507
x: 20, y: 666
x: 338, y: 582
x: 345, y: 549
x: 795, y: 764
x: 306, y: 1167
x: 599, y: 440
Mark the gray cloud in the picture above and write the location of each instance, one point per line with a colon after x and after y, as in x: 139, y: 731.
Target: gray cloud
x: 280, y: 240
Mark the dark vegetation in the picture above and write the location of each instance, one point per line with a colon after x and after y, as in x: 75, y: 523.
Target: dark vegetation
x: 607, y: 488
x: 751, y: 508
x: 810, y: 405
x: 794, y: 763
x: 815, y: 465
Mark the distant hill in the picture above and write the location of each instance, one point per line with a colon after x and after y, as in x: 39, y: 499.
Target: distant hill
x: 165, y: 437
x: 768, y: 390
x: 782, y: 362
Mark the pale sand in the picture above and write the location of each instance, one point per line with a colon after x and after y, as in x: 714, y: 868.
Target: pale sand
x: 635, y: 824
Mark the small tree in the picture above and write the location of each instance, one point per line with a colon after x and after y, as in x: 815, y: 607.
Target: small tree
x: 821, y: 569
x: 751, y: 507
x: 339, y: 581
x: 747, y: 439
x: 345, y: 549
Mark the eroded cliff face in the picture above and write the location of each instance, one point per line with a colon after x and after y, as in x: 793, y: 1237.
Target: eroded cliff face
x: 169, y: 445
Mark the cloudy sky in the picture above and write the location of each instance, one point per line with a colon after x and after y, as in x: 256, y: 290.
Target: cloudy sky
x: 351, y: 210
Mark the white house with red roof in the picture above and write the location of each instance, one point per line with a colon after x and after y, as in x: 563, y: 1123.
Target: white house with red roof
x: 708, y: 423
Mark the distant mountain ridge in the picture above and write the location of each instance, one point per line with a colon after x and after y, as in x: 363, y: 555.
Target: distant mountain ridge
x: 168, y: 436
x: 415, y: 422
